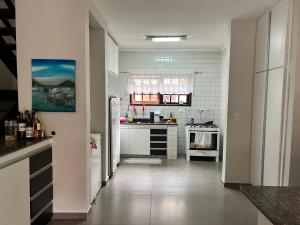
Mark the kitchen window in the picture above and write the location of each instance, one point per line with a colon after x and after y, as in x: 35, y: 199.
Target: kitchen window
x: 161, y: 99
x: 161, y: 88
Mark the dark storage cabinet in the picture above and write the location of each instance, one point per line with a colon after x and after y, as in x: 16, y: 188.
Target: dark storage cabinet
x: 158, y: 142
x: 41, y: 187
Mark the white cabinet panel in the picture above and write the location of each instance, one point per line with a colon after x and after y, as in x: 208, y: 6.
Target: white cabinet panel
x: 124, y: 141
x: 258, y: 119
x: 278, y: 34
x: 262, y: 43
x: 110, y: 54
x: 116, y: 59
x: 113, y: 56
x: 273, y: 126
x: 139, y: 141
x: 14, y: 194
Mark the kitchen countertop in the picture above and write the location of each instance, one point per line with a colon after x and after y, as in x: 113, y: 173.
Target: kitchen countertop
x: 281, y: 205
x: 17, y: 150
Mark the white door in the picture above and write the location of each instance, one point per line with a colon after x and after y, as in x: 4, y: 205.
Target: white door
x: 124, y: 141
x: 262, y: 43
x: 273, y: 127
x: 139, y: 141
x: 115, y: 133
x: 14, y: 194
x: 278, y: 34
x: 258, y: 121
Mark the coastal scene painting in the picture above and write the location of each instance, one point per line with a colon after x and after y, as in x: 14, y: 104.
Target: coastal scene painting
x: 53, y: 85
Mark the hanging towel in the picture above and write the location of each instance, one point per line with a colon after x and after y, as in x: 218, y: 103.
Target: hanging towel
x: 202, y: 140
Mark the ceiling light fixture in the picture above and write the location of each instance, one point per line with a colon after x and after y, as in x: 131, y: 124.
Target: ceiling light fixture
x: 166, y: 38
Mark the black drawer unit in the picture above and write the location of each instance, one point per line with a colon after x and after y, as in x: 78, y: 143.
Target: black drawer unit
x: 158, y: 152
x: 45, y: 216
x: 158, y: 145
x: 158, y: 138
x: 41, y: 187
x: 159, y: 131
x: 40, y: 181
x: 37, y: 204
x: 40, y: 160
x: 158, y: 142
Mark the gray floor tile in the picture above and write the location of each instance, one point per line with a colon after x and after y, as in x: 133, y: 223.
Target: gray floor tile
x: 174, y: 193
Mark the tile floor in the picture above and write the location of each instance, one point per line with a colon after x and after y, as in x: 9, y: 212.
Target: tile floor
x: 174, y: 193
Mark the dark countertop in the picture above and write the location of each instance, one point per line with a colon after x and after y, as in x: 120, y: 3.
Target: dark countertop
x: 150, y: 124
x: 14, y: 146
x: 281, y: 205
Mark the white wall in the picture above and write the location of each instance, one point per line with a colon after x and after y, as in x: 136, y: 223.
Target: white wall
x: 7, y: 80
x: 58, y: 29
x: 292, y: 158
x: 208, y: 90
x: 99, y: 96
x: 239, y: 111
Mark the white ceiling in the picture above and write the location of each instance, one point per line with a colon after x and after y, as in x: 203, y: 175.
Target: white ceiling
x: 204, y: 21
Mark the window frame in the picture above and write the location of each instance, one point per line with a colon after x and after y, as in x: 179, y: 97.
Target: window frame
x: 161, y: 103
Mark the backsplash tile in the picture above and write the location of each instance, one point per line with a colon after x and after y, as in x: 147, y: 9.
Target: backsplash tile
x: 209, y: 84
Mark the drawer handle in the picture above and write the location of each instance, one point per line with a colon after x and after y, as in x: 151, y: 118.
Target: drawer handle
x: 40, y: 192
x: 40, y: 171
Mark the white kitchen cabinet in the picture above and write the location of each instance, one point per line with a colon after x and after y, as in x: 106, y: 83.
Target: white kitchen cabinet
x: 258, y: 121
x: 135, y: 141
x: 273, y: 132
x: 139, y: 141
x: 262, y: 43
x: 113, y: 56
x: 124, y: 140
x: 14, y: 194
x: 278, y: 34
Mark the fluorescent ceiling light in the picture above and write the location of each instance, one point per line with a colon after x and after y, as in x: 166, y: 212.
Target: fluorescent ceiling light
x: 166, y: 38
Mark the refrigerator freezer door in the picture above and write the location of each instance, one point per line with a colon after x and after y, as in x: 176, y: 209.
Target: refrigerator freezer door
x: 115, y: 132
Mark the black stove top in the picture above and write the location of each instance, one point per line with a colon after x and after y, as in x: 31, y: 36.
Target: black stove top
x: 209, y: 124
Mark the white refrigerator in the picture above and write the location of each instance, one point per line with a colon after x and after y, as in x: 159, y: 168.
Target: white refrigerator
x: 114, y: 127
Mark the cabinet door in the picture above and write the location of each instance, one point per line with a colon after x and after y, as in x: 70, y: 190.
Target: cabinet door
x: 262, y: 43
x: 139, y: 141
x: 258, y: 121
x: 116, y: 59
x: 273, y: 127
x: 124, y: 141
x: 278, y: 34
x: 14, y: 194
x: 110, y: 54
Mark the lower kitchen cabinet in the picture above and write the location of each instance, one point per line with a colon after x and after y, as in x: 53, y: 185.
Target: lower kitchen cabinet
x: 145, y: 140
x: 14, y: 194
x: 26, y: 190
x: 135, y: 141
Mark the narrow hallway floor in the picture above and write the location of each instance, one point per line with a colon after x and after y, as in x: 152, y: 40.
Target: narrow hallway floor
x: 173, y: 193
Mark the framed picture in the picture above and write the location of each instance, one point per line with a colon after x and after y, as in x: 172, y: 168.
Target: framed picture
x: 53, y: 85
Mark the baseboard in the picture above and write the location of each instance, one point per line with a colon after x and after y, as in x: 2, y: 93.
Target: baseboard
x: 70, y: 216
x: 235, y: 186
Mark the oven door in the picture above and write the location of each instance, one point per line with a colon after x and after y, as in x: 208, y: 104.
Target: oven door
x: 203, y: 140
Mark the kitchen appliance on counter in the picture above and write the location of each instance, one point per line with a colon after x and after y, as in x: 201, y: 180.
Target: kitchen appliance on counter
x: 202, y: 140
x: 114, y: 134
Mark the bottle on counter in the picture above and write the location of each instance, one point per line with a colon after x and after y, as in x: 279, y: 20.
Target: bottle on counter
x: 36, y: 126
x: 21, y: 127
x: 29, y: 125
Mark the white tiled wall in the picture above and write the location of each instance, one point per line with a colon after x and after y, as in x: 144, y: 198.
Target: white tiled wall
x: 209, y: 84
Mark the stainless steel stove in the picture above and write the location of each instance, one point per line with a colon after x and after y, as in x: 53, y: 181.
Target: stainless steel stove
x: 202, y: 140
